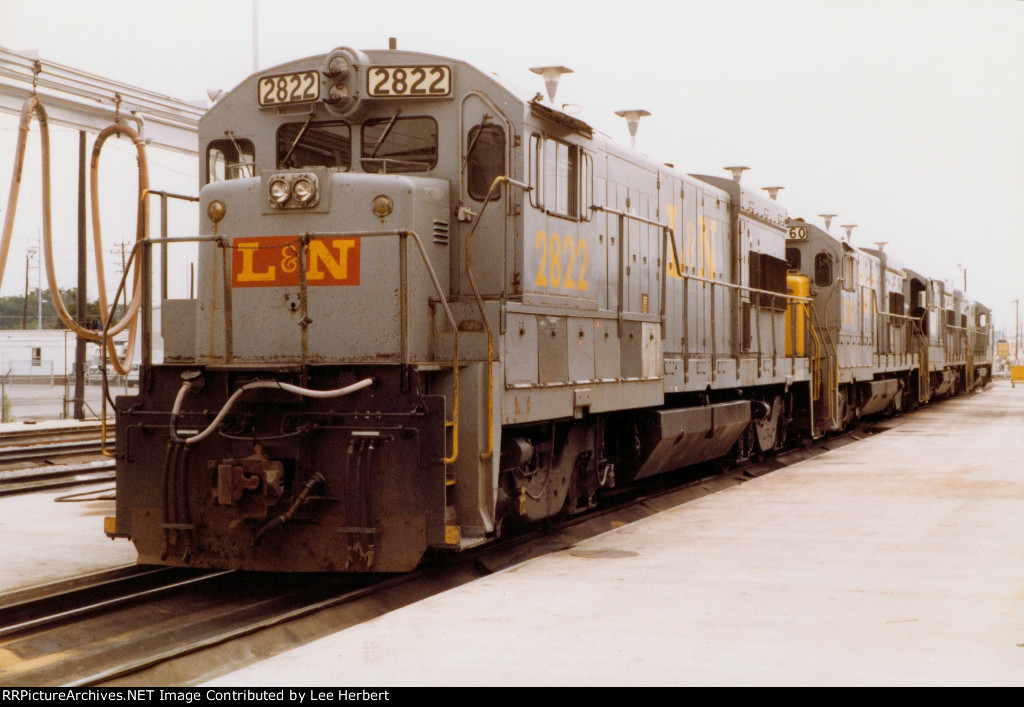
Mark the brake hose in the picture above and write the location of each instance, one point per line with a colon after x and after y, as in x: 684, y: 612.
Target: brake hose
x: 307, y: 392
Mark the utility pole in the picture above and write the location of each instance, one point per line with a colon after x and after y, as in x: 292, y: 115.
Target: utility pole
x: 29, y: 253
x: 39, y: 281
x: 120, y: 248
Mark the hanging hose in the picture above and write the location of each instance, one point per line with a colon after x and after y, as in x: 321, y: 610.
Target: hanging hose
x: 316, y: 480
x: 32, y: 105
x: 122, y: 367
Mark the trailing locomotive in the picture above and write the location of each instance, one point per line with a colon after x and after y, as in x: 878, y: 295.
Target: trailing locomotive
x: 427, y: 308
x: 890, y: 338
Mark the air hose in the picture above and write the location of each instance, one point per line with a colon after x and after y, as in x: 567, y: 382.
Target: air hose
x: 307, y: 392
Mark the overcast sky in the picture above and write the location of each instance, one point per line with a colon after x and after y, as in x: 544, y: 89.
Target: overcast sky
x: 905, y: 117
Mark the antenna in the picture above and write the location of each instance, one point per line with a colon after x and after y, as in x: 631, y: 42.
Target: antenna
x: 551, y: 75
x: 881, y: 244
x: 773, y: 192
x: 828, y: 219
x: 632, y: 120
x: 849, y: 231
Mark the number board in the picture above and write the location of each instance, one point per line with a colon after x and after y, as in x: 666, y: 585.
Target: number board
x: 285, y: 89
x: 797, y: 233
x: 409, y: 81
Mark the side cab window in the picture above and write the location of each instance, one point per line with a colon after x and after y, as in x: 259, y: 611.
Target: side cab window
x: 849, y: 273
x: 485, y: 160
x: 230, y: 159
x: 562, y: 177
x: 823, y: 269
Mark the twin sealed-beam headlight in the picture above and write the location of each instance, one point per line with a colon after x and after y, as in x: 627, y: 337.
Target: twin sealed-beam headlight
x: 291, y: 191
x: 280, y: 192
x: 303, y: 190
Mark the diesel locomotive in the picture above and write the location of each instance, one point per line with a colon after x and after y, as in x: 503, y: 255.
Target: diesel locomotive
x: 428, y: 307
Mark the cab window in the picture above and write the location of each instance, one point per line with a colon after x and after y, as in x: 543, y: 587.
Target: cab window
x: 897, y: 305
x: 485, y: 161
x: 822, y: 269
x: 305, y: 144
x: 849, y: 275
x: 396, y: 144
x: 230, y: 159
x: 793, y: 258
x: 561, y: 178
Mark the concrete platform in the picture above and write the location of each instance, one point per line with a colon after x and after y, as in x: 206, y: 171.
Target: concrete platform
x: 898, y: 560
x: 43, y: 539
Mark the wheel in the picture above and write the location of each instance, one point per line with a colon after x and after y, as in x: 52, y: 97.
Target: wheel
x: 766, y: 429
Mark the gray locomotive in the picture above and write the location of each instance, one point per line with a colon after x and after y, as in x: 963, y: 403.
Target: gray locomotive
x: 428, y: 308
x: 889, y: 338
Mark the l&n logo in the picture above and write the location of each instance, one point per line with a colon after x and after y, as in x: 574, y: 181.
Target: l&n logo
x: 273, y: 261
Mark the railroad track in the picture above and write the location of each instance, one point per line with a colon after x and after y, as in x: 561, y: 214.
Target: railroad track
x: 107, y: 627
x: 145, y: 626
x: 42, y: 458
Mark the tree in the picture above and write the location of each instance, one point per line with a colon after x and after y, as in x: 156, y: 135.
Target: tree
x: 17, y: 313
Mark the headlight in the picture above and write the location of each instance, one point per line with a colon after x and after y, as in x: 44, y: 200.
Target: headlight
x: 302, y: 190
x: 338, y: 92
x: 338, y: 66
x: 279, y: 191
x: 290, y: 191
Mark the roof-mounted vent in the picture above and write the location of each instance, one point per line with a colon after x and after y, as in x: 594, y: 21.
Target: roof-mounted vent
x: 849, y: 231
x: 632, y: 120
x: 828, y: 219
x: 737, y: 172
x: 773, y: 192
x: 551, y: 75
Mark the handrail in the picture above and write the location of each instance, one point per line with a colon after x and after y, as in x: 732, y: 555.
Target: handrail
x: 146, y: 322
x: 832, y: 402
x: 403, y: 234
x: 483, y: 315
x: 924, y: 365
x: 968, y: 359
x: 668, y: 236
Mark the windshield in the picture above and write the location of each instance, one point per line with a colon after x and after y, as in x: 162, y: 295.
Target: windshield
x: 308, y: 144
x: 399, y: 145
